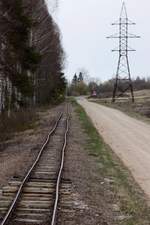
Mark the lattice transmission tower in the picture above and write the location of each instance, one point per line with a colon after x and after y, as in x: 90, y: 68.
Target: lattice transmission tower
x: 123, y: 81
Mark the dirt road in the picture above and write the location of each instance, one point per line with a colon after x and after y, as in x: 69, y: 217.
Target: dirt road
x: 129, y: 138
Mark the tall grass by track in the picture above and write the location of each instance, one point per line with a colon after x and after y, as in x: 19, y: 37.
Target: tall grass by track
x: 18, y: 121
x: 21, y: 120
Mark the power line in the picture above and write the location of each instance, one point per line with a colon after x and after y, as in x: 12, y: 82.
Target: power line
x: 123, y: 81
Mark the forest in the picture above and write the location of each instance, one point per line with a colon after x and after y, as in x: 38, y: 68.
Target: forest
x: 31, y: 56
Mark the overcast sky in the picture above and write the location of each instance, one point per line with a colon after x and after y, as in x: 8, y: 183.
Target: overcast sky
x: 84, y: 26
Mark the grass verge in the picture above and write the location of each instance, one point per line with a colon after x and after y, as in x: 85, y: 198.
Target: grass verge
x: 128, y: 196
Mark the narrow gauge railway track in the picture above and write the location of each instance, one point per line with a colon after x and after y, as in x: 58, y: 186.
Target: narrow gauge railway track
x: 35, y: 199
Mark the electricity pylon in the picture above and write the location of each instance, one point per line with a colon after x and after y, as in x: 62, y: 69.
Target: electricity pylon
x: 123, y: 81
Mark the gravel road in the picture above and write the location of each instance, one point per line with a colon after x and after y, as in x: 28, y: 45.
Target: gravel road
x: 129, y: 138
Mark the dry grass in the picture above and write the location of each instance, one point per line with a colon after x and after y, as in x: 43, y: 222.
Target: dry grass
x: 19, y: 121
x: 140, y: 109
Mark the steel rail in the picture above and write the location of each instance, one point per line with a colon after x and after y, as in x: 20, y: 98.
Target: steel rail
x: 13, y: 205
x: 54, y: 214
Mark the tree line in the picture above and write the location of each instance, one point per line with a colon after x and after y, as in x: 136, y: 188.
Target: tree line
x: 80, y: 85
x: 105, y: 89
x: 31, y: 55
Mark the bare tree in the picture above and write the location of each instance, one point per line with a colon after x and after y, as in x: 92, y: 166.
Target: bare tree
x: 31, y: 56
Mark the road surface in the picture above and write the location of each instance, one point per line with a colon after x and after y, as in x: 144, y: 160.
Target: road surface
x: 129, y: 138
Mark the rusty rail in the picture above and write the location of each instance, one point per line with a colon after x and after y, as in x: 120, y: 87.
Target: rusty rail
x: 14, y: 203
x: 57, y: 193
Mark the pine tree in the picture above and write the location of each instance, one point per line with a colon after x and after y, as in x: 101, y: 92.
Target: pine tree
x: 31, y: 56
x: 18, y: 56
x: 75, y: 80
x: 80, y: 79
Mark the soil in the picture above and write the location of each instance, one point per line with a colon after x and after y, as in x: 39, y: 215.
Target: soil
x: 140, y: 109
x: 128, y: 137
x: 17, y: 154
x: 91, y: 199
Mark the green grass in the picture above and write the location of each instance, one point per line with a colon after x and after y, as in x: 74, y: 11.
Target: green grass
x: 128, y: 195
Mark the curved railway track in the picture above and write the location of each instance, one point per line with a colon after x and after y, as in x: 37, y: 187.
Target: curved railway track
x: 35, y: 199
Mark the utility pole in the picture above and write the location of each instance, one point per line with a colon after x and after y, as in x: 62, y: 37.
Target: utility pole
x: 123, y: 81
